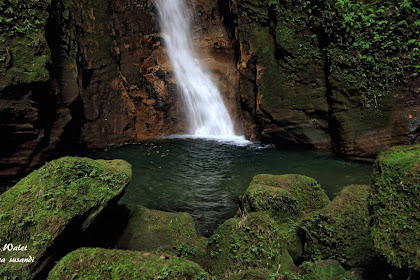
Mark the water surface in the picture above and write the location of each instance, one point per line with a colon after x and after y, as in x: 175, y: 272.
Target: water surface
x: 204, y: 177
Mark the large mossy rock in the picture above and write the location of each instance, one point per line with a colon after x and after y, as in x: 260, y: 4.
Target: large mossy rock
x: 47, y: 210
x: 324, y: 270
x: 341, y: 230
x: 153, y: 230
x: 395, y: 206
x: 321, y: 270
x: 97, y: 263
x: 255, y: 243
x: 285, y: 195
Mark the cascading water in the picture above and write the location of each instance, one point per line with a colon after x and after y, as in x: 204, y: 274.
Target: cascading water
x: 206, y: 112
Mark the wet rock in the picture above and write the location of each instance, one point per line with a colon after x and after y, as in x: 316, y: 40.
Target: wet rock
x: 98, y: 76
x: 300, y: 83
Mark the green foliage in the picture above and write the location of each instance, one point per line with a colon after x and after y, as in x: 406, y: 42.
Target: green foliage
x: 371, y: 46
x: 184, y: 251
x: 395, y: 204
x: 341, y: 230
x: 18, y: 18
x: 24, y: 52
x: 116, y: 264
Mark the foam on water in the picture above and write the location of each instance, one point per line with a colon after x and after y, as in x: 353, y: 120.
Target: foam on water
x: 225, y: 139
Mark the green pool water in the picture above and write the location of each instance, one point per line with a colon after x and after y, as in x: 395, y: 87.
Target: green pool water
x: 204, y: 177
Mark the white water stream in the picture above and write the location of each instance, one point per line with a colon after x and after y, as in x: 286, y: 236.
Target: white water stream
x: 206, y: 112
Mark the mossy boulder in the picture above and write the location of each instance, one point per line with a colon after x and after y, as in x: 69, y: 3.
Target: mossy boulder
x: 257, y: 242
x: 395, y: 205
x: 285, y: 196
x: 341, y: 230
x: 47, y: 210
x: 153, y: 230
x: 97, y: 263
x: 325, y: 270
x: 251, y: 274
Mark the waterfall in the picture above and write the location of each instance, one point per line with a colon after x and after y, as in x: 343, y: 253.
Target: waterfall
x: 206, y: 112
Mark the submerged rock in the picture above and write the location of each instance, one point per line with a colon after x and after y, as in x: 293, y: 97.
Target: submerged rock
x: 256, y: 243
x: 341, y: 230
x: 47, y: 210
x: 153, y: 230
x: 395, y: 206
x: 97, y: 263
x: 285, y: 195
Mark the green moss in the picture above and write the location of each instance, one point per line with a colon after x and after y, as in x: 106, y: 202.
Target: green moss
x: 251, y: 274
x: 285, y: 195
x: 395, y: 204
x: 341, y: 230
x: 373, y: 45
x: 368, y: 48
x: 24, y: 52
x: 257, y: 243
x: 324, y: 270
x: 39, y: 207
x: 89, y: 263
x: 172, y: 233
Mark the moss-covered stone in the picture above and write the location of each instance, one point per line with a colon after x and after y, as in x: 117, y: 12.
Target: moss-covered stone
x: 341, y: 230
x: 256, y: 243
x: 172, y: 233
x: 395, y: 205
x: 64, y: 195
x: 325, y: 270
x: 24, y: 51
x: 285, y: 195
x: 96, y: 263
x: 251, y: 274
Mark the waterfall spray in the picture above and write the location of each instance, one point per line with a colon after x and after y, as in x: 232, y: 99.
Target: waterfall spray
x: 206, y: 112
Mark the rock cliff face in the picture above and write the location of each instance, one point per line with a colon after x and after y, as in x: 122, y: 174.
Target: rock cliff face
x: 90, y: 73
x: 306, y: 80
x: 97, y: 76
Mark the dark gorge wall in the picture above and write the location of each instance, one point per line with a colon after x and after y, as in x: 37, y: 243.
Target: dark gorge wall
x: 90, y: 73
x: 83, y: 74
x: 329, y: 74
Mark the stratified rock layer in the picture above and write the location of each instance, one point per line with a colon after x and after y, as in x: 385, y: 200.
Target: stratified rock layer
x: 310, y: 75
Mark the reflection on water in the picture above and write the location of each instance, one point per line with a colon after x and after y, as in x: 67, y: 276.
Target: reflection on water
x: 204, y: 178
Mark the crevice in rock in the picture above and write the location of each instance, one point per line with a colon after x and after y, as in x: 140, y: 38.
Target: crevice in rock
x: 58, y: 37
